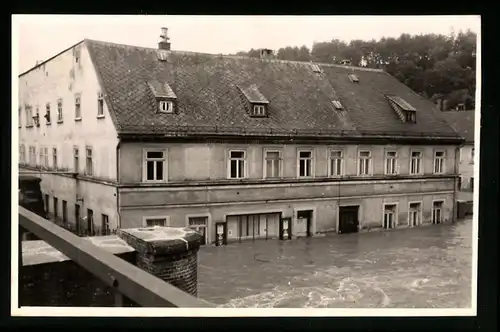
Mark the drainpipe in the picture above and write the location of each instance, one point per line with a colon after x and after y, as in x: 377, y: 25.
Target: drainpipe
x: 118, y: 182
x: 455, y: 170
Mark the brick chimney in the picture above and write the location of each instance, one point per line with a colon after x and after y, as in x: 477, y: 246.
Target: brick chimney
x: 164, y: 43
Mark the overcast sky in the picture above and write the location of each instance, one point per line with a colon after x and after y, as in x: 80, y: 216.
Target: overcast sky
x: 42, y: 36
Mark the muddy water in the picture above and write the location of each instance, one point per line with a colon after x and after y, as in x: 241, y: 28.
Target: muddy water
x: 423, y: 267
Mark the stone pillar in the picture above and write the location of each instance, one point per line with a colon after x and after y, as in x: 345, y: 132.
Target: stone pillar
x: 168, y: 253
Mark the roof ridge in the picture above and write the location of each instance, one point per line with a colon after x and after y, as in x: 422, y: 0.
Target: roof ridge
x: 233, y: 56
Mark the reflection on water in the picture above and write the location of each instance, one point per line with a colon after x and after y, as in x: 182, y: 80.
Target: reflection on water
x: 428, y: 266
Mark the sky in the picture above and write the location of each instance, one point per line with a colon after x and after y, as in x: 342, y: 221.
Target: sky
x: 39, y: 37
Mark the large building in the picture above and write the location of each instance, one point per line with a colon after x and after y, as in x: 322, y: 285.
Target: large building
x: 126, y: 136
x: 463, y: 123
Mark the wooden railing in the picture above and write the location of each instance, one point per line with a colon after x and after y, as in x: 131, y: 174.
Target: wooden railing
x: 125, y: 279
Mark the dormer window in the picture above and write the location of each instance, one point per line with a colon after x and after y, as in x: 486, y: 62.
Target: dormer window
x: 166, y: 106
x: 258, y: 104
x: 337, y: 105
x: 165, y: 96
x: 315, y: 68
x: 354, y: 78
x: 406, y: 112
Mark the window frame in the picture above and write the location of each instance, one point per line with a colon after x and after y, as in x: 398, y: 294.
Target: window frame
x: 78, y: 106
x: 420, y: 213
x: 370, y: 162
x: 396, y: 214
x: 166, y: 102
x: 145, y: 160
x: 441, y: 220
x: 244, y: 159
x: 76, y: 159
x: 421, y: 163
x: 60, y: 116
x: 386, y: 159
x: 259, y: 110
x: 280, y: 163
x: 311, y: 164
x: 22, y: 154
x: 146, y: 218
x: 443, y: 161
x: 48, y: 115
x: 330, y: 159
x: 55, y: 161
x: 89, y: 172
x: 100, y: 105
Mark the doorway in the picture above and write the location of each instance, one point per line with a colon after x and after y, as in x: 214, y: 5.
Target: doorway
x: 305, y: 216
x: 199, y: 224
x: 389, y: 216
x: 349, y: 219
x: 414, y: 214
x: 437, y: 208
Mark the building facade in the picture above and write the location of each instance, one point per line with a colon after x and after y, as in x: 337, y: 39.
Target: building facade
x: 463, y: 123
x: 237, y: 148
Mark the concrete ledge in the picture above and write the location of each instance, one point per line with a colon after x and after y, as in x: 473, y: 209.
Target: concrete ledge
x: 40, y: 252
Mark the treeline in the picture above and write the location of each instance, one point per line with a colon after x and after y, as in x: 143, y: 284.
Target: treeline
x: 439, y: 67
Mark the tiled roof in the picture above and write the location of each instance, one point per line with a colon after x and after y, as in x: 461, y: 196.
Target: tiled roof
x: 462, y: 122
x: 207, y: 93
x: 370, y: 110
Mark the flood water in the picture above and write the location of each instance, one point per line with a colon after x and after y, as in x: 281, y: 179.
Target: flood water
x: 421, y: 267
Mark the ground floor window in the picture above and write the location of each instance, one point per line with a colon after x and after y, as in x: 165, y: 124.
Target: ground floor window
x: 389, y: 216
x: 199, y: 224
x: 437, y: 212
x: 414, y: 214
x: 156, y: 222
x: 253, y: 226
x: 105, y: 224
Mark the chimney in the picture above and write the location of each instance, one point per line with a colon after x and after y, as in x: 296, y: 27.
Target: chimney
x: 266, y: 53
x: 164, y: 43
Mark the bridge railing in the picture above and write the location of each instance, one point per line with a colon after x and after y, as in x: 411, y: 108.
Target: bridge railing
x: 124, y: 278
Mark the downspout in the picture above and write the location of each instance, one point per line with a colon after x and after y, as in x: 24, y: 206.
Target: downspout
x: 118, y: 209
x: 455, y: 171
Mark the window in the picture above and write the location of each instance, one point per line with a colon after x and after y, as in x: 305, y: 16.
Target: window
x: 437, y: 212
x: 354, y: 78
x: 390, y: 216
x: 237, y: 164
x: 156, y: 222
x: 315, y: 68
x: 415, y: 164
x: 44, y: 157
x: 76, y: 160
x: 32, y: 155
x: 100, y: 105
x: 105, y: 224
x: 472, y: 184
x: 55, y: 207
x: 22, y: 154
x: 337, y: 105
x: 88, y: 161
x: 59, y: 111
x: 414, y: 214
x: 78, y: 107
x: 77, y: 55
x: 19, y: 117
x: 90, y: 221
x: 439, y: 162
x: 335, y: 163
x: 390, y: 162
x: 54, y: 158
x: 64, y: 211
x: 155, y: 165
x: 37, y: 117
x: 166, y: 106
x: 259, y: 110
x: 305, y: 164
x: 47, y: 113
x: 273, y: 164
x: 472, y: 153
x: 77, y: 217
x: 411, y: 116
x: 364, y: 162
x: 29, y: 116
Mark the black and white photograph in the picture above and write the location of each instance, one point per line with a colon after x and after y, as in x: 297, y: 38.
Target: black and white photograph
x: 259, y: 164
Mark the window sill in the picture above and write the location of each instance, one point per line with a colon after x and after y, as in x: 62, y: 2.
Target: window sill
x: 154, y: 181
x: 78, y: 119
x: 100, y: 117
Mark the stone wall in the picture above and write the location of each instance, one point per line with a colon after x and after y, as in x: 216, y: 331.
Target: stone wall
x: 49, y: 278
